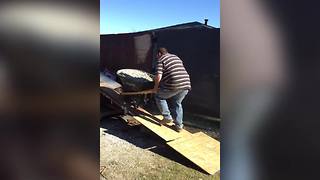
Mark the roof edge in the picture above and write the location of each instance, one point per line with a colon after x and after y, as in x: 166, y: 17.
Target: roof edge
x: 177, y: 26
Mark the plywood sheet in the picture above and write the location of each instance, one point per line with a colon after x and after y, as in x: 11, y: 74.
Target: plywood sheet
x: 166, y: 132
x: 201, y: 149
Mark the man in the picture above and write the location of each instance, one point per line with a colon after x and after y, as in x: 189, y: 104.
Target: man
x: 172, y: 82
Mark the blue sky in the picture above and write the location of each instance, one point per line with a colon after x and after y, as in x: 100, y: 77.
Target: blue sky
x: 122, y: 16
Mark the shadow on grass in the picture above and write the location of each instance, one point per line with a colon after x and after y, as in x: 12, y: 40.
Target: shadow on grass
x: 142, y: 137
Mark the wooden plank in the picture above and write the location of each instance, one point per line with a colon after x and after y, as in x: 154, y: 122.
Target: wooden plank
x: 201, y: 149
x: 130, y: 120
x: 166, y: 132
x: 108, y: 82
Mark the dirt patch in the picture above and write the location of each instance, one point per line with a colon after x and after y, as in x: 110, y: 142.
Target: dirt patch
x: 132, y: 152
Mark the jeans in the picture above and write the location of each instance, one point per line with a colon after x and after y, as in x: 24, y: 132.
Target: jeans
x: 175, y: 98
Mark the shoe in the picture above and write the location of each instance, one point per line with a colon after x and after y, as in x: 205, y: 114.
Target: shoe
x: 178, y: 128
x: 165, y: 121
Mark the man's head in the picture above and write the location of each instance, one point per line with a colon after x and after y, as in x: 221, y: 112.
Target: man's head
x: 161, y: 51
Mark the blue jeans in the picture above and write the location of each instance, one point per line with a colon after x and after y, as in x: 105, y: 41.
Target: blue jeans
x: 175, y: 97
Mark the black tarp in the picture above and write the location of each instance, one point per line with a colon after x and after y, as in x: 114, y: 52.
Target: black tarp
x: 196, y: 44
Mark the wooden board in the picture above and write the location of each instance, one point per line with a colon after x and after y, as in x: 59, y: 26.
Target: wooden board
x: 201, y: 149
x: 166, y: 132
x: 108, y: 82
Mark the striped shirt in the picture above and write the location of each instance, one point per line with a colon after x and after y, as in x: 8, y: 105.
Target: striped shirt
x: 174, y: 74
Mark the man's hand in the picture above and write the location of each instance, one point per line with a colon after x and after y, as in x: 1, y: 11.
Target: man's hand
x: 155, y: 90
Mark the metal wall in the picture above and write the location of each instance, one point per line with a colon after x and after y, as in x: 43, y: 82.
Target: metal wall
x: 199, y: 48
x: 126, y: 51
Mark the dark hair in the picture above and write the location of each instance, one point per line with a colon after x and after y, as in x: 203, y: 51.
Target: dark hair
x: 162, y: 50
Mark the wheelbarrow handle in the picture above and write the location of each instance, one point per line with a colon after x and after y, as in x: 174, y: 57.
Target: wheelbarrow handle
x: 150, y: 91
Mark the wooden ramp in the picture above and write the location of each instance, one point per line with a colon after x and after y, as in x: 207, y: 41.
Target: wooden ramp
x: 199, y: 148
x: 166, y: 132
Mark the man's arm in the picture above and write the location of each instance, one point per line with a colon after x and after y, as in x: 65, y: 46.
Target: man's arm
x: 157, y: 77
x: 157, y: 80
